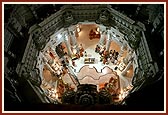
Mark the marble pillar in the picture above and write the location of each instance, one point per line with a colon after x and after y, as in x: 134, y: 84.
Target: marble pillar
x: 129, y: 55
x: 122, y: 50
x: 53, y: 52
x: 127, y: 68
x: 102, y: 39
x: 108, y: 42
x: 68, y: 46
x: 73, y: 41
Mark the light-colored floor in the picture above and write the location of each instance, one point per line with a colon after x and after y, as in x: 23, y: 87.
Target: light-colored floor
x: 96, y: 73
x: 89, y: 46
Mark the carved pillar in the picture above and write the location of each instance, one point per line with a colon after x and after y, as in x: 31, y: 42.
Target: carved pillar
x: 67, y: 45
x: 127, y: 68
x: 73, y: 38
x: 108, y: 43
x: 129, y: 58
x: 73, y: 41
x: 102, y: 39
x: 122, y: 50
x: 129, y: 55
x: 53, y: 52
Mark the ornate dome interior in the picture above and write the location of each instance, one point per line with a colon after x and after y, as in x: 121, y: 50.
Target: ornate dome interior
x: 87, y: 53
x: 100, y: 55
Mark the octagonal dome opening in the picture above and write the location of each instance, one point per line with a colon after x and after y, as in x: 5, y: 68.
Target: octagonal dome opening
x: 95, y: 55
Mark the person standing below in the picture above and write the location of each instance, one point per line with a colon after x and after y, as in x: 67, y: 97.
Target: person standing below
x: 102, y: 51
x: 67, y: 61
x: 81, y: 48
x: 97, y: 49
x: 111, y: 54
x: 81, y: 54
x: 73, y: 63
x: 114, y: 53
x: 77, y: 55
x: 85, y: 54
x: 104, y: 60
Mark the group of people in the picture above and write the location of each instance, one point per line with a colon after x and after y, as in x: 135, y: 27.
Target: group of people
x: 77, y: 55
x: 113, y: 55
x: 107, y: 56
